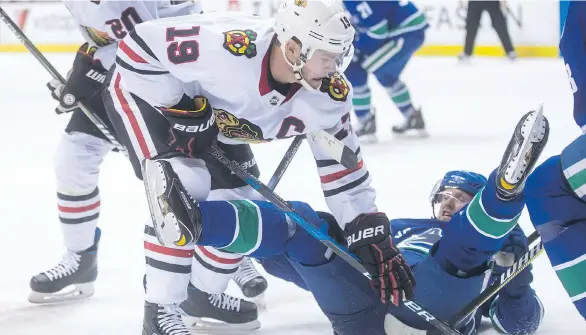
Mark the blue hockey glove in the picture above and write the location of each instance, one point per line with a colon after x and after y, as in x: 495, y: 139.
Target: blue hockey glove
x: 515, y: 244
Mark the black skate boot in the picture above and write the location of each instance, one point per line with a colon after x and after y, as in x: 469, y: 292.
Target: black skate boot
x: 522, y: 153
x: 163, y: 320
x: 73, y: 278
x: 176, y: 216
x: 366, y: 128
x: 413, y: 121
x: 218, y: 312
x: 251, y: 282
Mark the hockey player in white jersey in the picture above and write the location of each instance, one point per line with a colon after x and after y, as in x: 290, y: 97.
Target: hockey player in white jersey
x: 181, y: 84
x: 83, y: 147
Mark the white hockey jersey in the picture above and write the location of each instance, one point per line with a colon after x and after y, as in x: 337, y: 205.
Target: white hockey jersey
x: 104, y: 22
x: 225, y: 57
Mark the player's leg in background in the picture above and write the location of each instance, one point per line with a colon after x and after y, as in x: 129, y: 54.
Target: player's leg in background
x: 212, y: 268
x: 77, y: 159
x: 388, y: 68
x: 499, y: 23
x: 473, y: 16
x: 361, y: 101
x: 145, y: 132
x: 557, y: 207
x: 279, y: 266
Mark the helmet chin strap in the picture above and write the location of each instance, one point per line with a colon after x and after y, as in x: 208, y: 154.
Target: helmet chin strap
x: 297, y: 72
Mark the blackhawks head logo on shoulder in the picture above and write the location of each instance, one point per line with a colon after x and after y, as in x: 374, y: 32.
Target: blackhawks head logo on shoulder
x: 240, y: 42
x: 301, y: 3
x: 336, y: 87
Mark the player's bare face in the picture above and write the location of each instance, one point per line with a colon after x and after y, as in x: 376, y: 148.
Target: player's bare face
x: 453, y: 200
x: 320, y: 66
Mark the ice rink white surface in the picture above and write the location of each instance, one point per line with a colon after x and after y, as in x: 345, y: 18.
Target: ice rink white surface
x: 471, y: 111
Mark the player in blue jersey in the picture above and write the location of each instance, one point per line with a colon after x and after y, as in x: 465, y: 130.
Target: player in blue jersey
x: 388, y: 33
x: 449, y: 258
x: 556, y: 191
x: 438, y: 250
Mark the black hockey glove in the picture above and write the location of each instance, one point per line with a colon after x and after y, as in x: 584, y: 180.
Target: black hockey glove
x: 192, y: 131
x: 84, y: 81
x: 368, y: 236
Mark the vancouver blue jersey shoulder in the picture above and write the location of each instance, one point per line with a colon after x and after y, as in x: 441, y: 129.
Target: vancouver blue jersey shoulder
x: 415, y: 237
x: 384, y: 19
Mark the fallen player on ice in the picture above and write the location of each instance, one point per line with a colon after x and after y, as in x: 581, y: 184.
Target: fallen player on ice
x: 450, y: 256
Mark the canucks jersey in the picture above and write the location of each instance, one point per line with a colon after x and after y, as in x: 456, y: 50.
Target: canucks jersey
x: 385, y: 19
x: 225, y: 57
x: 573, y: 49
x: 104, y: 22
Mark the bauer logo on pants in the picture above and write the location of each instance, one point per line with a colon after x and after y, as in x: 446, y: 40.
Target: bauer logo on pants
x: 240, y: 42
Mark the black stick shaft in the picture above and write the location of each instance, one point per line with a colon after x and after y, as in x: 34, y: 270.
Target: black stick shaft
x: 284, y: 164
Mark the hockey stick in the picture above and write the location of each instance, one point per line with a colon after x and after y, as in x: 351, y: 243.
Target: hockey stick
x: 284, y: 164
x: 321, y: 235
x: 55, y: 74
x: 504, y: 278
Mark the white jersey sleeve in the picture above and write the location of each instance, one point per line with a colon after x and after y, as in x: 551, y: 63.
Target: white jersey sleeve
x: 347, y: 191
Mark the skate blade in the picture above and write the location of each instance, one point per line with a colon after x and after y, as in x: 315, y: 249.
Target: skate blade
x: 260, y: 301
x: 533, y: 131
x: 71, y: 292
x: 368, y: 139
x: 153, y: 193
x: 411, y: 133
x: 164, y: 220
x: 205, y: 325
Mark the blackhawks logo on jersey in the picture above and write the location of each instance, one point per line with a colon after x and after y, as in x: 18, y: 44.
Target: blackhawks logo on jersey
x: 301, y: 3
x: 240, y: 42
x: 336, y: 87
x: 238, y: 129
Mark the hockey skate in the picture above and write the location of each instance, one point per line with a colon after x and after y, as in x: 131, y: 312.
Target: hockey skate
x: 366, y: 128
x: 413, y: 121
x: 175, y: 215
x: 218, y: 313
x: 522, y: 153
x: 251, y: 282
x: 163, y: 320
x: 72, y: 279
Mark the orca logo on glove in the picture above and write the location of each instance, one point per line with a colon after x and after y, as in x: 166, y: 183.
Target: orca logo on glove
x: 366, y: 233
